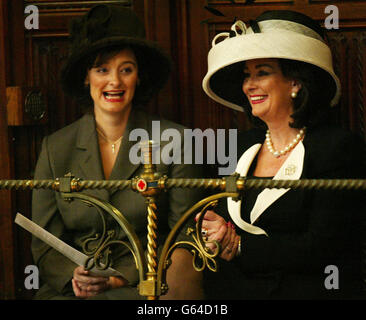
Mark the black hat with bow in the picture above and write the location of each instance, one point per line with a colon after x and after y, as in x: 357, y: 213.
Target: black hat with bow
x: 111, y: 26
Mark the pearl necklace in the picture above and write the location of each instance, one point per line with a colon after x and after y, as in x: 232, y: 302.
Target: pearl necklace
x: 113, y: 143
x: 290, y: 146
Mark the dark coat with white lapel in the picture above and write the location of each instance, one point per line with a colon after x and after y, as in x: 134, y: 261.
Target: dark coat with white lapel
x: 307, y: 230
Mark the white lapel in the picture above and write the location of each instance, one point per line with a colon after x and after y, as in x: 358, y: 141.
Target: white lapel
x: 234, y: 206
x: 291, y: 169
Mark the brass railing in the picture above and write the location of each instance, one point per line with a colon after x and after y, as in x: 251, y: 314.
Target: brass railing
x: 152, y: 269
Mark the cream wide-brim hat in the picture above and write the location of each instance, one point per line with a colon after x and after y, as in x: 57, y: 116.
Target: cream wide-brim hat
x: 282, y: 39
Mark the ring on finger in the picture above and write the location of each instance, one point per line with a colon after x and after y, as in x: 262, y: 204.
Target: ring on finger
x: 229, y: 249
x: 204, y: 232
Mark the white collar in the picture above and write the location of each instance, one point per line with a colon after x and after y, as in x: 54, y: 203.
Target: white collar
x: 291, y: 169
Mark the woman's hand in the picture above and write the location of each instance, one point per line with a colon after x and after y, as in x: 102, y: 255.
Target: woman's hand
x: 221, y: 231
x: 86, y: 285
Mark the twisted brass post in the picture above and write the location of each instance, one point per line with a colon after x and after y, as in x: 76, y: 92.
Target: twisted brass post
x: 147, y: 185
x: 152, y: 247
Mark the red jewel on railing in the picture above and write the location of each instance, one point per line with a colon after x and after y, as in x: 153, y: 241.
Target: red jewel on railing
x: 141, y: 185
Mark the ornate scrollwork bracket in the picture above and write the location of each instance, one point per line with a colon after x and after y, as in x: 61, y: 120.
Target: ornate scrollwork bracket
x: 99, y: 256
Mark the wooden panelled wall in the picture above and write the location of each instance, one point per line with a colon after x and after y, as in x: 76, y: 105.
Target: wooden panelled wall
x: 185, y: 30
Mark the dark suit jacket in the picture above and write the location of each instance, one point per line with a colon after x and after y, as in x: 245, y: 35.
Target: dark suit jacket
x: 308, y: 230
x: 75, y: 149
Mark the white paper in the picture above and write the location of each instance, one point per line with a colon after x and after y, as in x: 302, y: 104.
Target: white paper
x: 74, y: 255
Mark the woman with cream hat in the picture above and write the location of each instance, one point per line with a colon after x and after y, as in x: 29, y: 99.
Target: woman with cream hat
x: 281, y: 243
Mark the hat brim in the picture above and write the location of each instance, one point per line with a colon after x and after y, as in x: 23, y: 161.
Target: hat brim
x: 155, y: 60
x: 223, y: 81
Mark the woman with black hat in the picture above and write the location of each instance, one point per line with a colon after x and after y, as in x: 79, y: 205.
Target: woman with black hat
x: 114, y: 69
x: 286, y: 244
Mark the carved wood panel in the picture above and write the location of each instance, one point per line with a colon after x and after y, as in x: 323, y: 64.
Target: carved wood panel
x: 351, y: 71
x: 6, y: 226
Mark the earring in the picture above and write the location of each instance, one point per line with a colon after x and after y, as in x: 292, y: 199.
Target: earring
x: 293, y: 94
